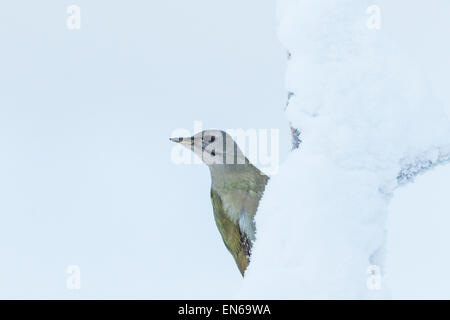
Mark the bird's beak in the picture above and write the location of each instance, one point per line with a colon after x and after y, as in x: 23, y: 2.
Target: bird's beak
x: 186, y: 141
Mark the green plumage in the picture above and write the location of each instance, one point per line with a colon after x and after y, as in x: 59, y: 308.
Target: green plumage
x: 233, y: 238
x: 235, y: 195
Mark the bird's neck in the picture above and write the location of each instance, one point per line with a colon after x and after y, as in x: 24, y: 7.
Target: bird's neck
x: 228, y: 177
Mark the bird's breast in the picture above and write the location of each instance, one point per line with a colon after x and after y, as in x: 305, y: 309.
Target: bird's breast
x: 241, y: 209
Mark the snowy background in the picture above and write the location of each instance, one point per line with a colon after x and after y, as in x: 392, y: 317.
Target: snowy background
x: 86, y: 176
x: 372, y: 106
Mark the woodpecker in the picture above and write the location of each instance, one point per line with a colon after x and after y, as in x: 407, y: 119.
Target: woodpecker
x: 236, y: 189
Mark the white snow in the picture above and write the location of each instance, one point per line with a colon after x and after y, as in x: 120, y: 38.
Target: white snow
x: 370, y: 120
x: 418, y: 259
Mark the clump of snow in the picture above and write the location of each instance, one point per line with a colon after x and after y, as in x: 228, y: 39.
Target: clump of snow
x: 313, y: 231
x: 418, y: 242
x: 369, y: 121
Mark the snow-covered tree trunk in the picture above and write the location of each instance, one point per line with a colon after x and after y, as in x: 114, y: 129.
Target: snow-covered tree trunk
x: 368, y: 124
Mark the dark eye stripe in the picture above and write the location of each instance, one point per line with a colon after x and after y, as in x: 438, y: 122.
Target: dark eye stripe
x: 213, y: 138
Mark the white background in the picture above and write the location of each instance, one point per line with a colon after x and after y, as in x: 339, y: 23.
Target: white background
x: 86, y: 176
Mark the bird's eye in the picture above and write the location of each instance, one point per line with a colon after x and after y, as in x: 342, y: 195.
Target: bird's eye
x: 212, y: 139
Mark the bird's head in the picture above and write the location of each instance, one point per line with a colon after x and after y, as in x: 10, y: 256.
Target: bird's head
x: 214, y: 147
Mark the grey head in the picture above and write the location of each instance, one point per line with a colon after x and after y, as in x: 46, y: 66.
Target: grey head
x: 214, y: 147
